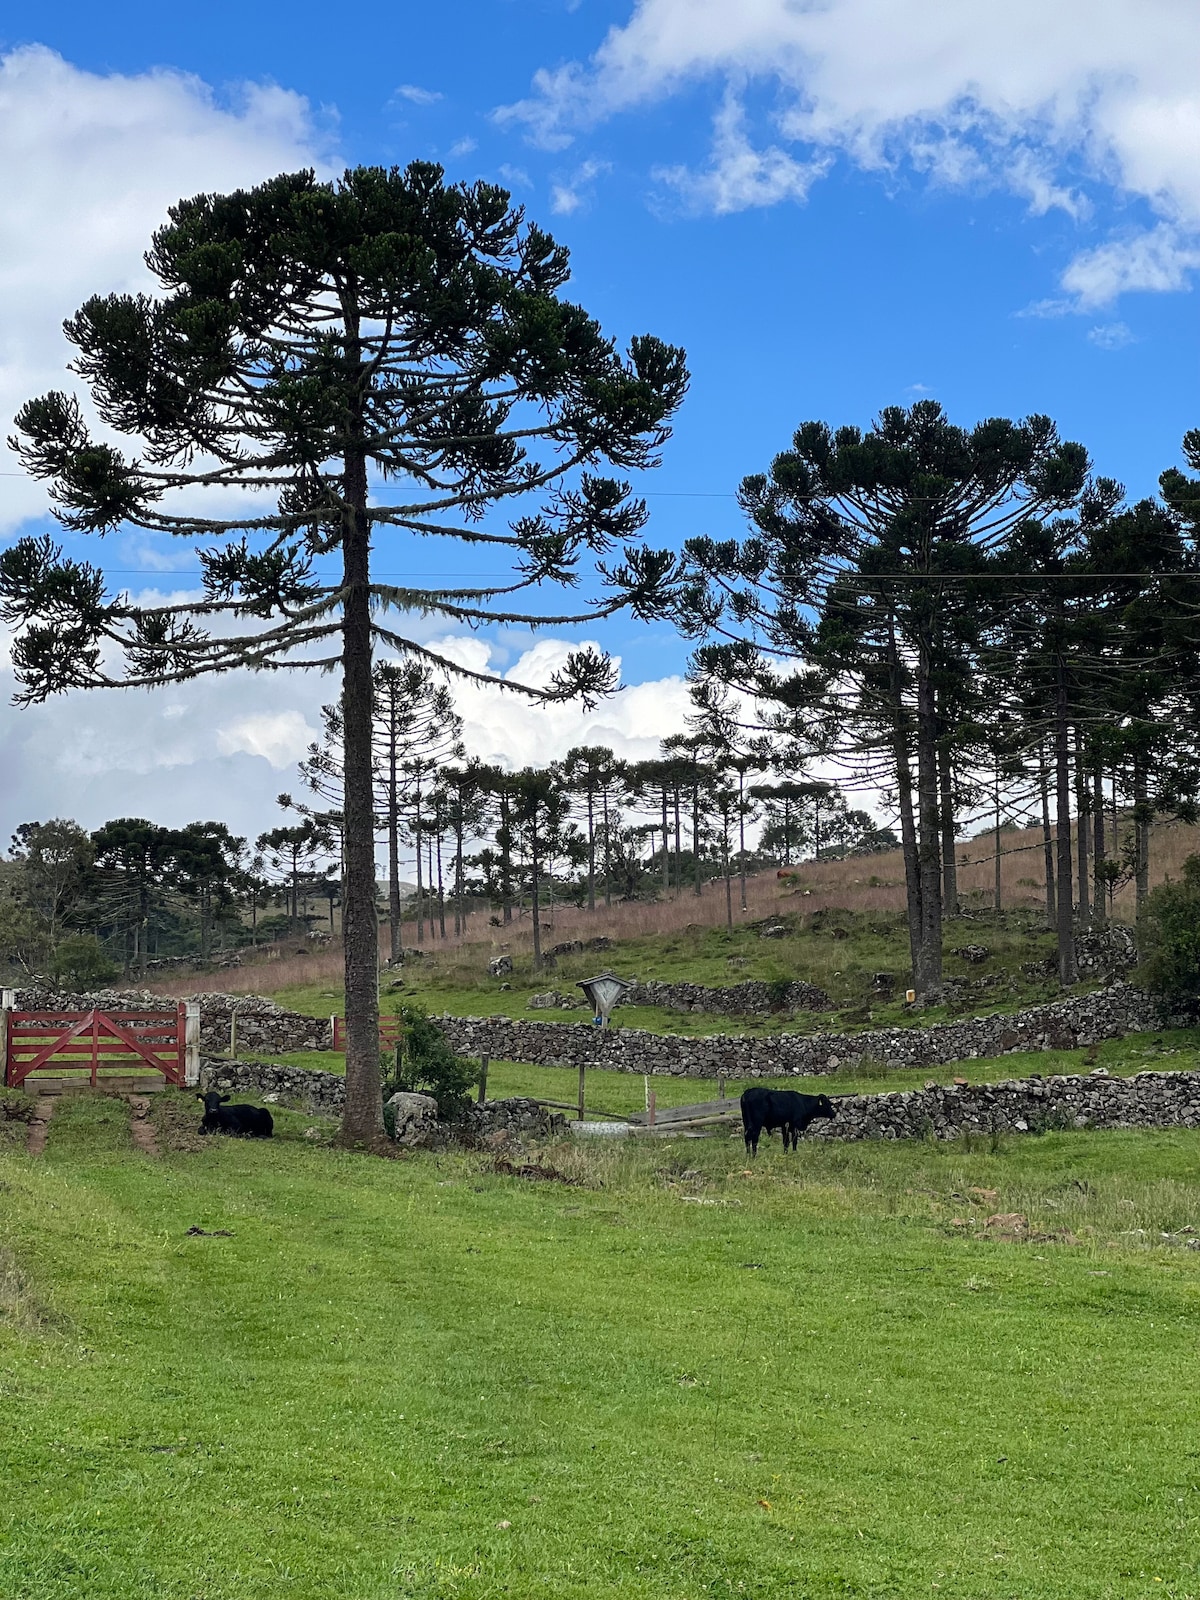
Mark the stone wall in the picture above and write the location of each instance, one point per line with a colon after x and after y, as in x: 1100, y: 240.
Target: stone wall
x: 1026, y: 1105
x: 324, y: 1093
x: 262, y: 1025
x: 1060, y: 1025
x: 749, y: 999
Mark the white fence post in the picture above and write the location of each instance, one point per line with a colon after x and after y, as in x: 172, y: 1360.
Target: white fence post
x: 191, y: 1043
x: 8, y: 1002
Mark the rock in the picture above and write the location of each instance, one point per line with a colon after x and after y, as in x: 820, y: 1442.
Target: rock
x: 774, y: 930
x: 544, y: 1002
x: 600, y: 942
x: 416, y: 1117
x: 885, y: 981
x: 569, y: 947
x: 975, y: 954
x: 500, y: 967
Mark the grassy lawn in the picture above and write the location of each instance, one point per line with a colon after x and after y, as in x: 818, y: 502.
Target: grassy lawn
x: 838, y: 950
x: 671, y: 1379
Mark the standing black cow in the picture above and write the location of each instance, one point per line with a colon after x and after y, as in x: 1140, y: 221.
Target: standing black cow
x: 780, y: 1108
x: 248, y: 1122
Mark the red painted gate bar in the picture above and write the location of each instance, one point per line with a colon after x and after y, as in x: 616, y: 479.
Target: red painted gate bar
x: 97, y: 1043
x: 391, y: 1030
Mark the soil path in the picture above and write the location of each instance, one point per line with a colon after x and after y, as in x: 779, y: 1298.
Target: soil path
x: 35, y: 1139
x: 141, y: 1129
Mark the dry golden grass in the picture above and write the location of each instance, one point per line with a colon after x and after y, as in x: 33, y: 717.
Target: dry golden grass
x: 858, y: 883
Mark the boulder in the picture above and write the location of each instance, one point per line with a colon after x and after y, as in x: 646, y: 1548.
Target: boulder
x: 416, y: 1117
x: 972, y: 953
x: 500, y: 967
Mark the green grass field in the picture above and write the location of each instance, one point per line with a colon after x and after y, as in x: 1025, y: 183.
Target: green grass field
x: 670, y: 1378
x: 840, y: 951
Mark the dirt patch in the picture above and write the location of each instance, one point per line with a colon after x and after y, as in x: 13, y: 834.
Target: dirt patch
x: 141, y: 1128
x: 535, y: 1171
x: 35, y: 1140
x: 174, y: 1120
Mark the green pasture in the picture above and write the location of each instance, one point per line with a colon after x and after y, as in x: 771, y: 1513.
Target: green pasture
x: 839, y: 951
x: 671, y: 1376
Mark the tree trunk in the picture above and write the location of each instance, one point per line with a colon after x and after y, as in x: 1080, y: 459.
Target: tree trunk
x: 506, y: 893
x: 1099, y: 909
x: 1068, y: 972
x: 908, y: 831
x: 1142, y: 821
x: 742, y: 837
x: 607, y: 850
x: 1082, y: 807
x: 678, y: 845
x: 949, y: 859
x: 728, y: 878
x: 1047, y: 835
x: 998, y: 880
x: 418, y: 841
x: 441, y: 889
x: 696, y: 837
x: 460, y: 878
x: 395, y: 931
x: 535, y: 874
x: 929, y: 843
x: 666, y: 876
x: 591, y: 806
x: 362, y: 1120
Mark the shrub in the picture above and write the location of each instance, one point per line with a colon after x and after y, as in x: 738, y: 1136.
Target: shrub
x: 1169, y: 936
x: 425, y: 1064
x: 82, y: 962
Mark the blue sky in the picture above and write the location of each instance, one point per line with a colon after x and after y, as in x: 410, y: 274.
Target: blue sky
x: 833, y: 209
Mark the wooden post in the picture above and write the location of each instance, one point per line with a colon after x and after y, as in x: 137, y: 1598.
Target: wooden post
x: 191, y: 1043
x: 720, y: 1085
x: 233, y: 1033
x: 646, y: 1088
x: 650, y: 1117
x: 8, y: 1004
x: 582, y: 1070
x: 484, y: 1062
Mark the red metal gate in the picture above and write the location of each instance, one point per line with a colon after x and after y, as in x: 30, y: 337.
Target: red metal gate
x: 390, y: 1031
x: 100, y: 1044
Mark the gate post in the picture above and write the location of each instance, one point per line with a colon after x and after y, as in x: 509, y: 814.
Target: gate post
x: 191, y: 1042
x: 8, y: 1004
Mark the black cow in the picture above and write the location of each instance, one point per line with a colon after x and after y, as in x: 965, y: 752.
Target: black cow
x: 780, y: 1108
x: 247, y: 1122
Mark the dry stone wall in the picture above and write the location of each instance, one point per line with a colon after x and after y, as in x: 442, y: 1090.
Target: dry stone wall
x: 749, y: 999
x: 261, y: 1024
x: 1025, y: 1105
x: 324, y: 1093
x: 1060, y: 1025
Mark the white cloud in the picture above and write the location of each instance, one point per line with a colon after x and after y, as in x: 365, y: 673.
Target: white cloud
x: 416, y: 96
x: 740, y: 176
x: 91, y: 162
x: 197, y: 750
x: 280, y: 737
x: 516, y: 176
x: 1159, y: 259
x: 461, y: 147
x: 567, y: 197
x: 1111, y: 336
x: 1033, y: 96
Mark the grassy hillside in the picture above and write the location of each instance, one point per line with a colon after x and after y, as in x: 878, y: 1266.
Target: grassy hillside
x: 669, y: 1378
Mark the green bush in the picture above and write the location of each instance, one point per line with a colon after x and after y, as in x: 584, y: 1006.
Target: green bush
x: 1169, y: 936
x: 82, y: 962
x: 425, y: 1064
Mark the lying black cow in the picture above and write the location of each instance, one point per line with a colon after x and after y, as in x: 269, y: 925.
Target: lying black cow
x: 780, y: 1108
x: 247, y: 1122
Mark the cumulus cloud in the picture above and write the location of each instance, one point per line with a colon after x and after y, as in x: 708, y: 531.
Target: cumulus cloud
x: 91, y: 162
x: 196, y: 751
x: 568, y: 196
x: 416, y: 96
x: 739, y: 176
x: 1038, y: 98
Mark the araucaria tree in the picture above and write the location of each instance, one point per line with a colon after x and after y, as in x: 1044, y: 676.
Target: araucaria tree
x: 363, y: 363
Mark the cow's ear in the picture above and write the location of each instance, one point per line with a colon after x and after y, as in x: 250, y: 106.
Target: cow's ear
x: 224, y: 1100
x: 199, y: 1097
